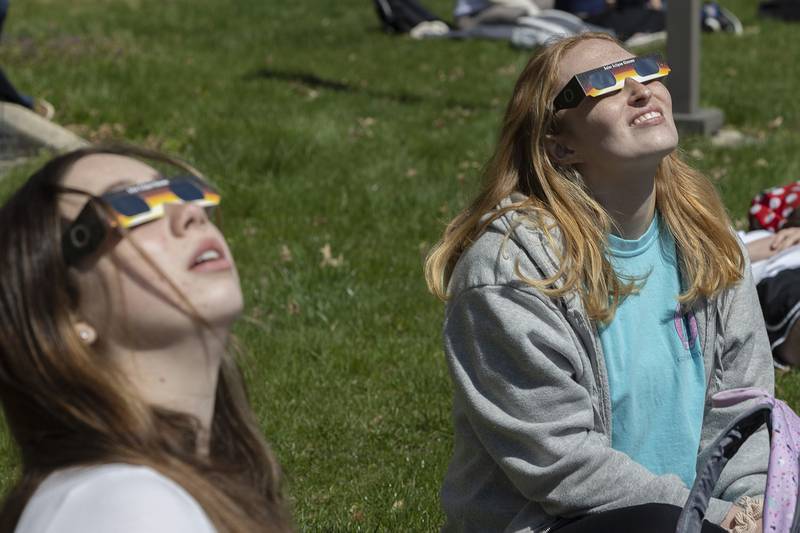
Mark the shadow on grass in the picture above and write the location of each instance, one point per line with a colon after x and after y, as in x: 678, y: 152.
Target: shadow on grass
x: 313, y: 81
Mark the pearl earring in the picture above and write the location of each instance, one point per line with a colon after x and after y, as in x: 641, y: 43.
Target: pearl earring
x: 85, y: 335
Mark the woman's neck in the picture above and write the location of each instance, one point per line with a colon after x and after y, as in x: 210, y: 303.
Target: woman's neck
x: 181, y: 377
x: 628, y: 197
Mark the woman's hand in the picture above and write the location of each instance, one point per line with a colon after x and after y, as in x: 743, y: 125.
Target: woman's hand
x: 727, y: 522
x: 766, y: 247
x: 761, y: 249
x: 785, y: 238
x: 746, y: 517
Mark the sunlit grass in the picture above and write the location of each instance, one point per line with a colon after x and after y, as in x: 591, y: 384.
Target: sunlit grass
x: 322, y: 131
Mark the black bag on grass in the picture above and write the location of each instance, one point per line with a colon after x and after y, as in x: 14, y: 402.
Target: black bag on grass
x: 780, y: 9
x: 401, y: 16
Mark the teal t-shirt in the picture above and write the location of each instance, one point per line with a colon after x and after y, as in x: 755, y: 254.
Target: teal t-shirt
x: 655, y: 367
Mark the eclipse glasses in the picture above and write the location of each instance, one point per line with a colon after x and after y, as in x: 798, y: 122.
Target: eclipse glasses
x: 610, y: 78
x: 128, y: 208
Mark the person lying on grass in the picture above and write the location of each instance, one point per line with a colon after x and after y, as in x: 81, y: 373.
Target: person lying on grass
x: 597, y: 297
x: 776, y: 272
x: 117, y: 298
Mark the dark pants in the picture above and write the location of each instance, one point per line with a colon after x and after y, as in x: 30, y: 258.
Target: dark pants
x: 7, y: 91
x: 649, y: 518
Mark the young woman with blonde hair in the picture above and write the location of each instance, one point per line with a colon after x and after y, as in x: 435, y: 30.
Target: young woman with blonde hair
x: 596, y: 298
x: 117, y: 298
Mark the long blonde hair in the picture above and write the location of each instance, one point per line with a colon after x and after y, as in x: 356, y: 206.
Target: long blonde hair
x: 710, y: 256
x: 66, y: 406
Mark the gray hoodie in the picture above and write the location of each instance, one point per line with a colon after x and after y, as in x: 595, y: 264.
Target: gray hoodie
x: 531, y: 407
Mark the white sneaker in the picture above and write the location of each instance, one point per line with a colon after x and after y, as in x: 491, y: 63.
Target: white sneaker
x: 429, y: 28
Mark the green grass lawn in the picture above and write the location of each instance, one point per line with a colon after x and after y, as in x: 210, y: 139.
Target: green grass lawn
x: 325, y: 132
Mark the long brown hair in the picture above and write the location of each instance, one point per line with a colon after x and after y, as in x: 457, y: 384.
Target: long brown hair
x: 66, y: 406
x: 556, y: 196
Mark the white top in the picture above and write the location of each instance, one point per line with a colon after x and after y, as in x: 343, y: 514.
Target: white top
x: 465, y: 8
x: 767, y: 268
x: 112, y: 498
x: 468, y: 7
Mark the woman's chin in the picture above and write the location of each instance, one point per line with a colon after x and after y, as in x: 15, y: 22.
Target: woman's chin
x: 658, y: 146
x: 665, y: 139
x: 222, y: 311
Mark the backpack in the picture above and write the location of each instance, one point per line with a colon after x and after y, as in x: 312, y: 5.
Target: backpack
x: 781, y: 496
x: 400, y: 16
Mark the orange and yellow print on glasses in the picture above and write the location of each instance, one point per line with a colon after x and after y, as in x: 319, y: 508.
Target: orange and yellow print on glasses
x: 145, y: 202
x: 128, y: 208
x: 610, y: 78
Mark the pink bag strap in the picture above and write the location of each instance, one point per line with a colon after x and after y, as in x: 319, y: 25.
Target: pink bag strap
x: 730, y: 397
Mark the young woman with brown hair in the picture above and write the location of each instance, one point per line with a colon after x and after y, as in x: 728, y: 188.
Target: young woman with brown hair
x: 117, y: 298
x: 596, y: 298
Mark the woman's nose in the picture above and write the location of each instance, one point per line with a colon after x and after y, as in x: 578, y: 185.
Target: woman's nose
x: 185, y: 215
x: 638, y: 92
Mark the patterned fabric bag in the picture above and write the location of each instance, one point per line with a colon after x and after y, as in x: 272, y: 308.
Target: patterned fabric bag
x: 781, y: 497
x: 776, y: 208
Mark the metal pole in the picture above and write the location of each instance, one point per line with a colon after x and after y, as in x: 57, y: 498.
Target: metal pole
x: 683, y: 54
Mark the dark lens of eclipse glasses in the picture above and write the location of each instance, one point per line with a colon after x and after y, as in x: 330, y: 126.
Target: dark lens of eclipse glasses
x: 602, y: 80
x: 129, y: 205
x: 186, y: 190
x: 646, y: 66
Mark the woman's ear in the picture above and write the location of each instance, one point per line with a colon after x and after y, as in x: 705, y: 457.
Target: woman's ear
x: 560, y: 151
x: 86, y: 333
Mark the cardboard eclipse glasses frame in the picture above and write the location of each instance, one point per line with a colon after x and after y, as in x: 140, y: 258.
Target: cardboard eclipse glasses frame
x: 610, y: 78
x: 128, y: 208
